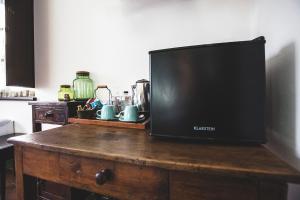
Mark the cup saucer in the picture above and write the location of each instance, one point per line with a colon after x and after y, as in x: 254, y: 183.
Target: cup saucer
x: 139, y: 120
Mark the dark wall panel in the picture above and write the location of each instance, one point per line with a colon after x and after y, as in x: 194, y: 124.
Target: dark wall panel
x: 19, y: 43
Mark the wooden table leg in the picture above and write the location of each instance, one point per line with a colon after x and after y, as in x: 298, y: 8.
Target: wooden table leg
x: 2, y: 179
x: 36, y: 127
x: 19, y: 172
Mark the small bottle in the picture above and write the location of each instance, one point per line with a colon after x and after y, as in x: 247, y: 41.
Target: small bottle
x: 117, y: 103
x: 125, y: 100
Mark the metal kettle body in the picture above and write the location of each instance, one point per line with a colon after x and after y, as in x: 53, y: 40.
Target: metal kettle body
x: 141, y: 96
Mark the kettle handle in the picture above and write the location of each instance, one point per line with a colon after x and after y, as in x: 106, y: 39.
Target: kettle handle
x: 109, y: 91
x: 133, y: 87
x: 148, y: 92
x: 101, y: 86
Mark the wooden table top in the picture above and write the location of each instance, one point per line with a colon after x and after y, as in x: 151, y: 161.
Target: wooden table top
x: 137, y: 147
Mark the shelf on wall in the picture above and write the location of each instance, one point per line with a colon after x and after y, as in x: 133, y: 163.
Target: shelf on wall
x: 18, y: 98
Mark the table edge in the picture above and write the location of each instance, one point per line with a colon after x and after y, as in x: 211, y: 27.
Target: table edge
x: 167, y: 165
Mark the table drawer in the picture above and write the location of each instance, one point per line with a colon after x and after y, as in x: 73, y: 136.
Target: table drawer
x: 46, y: 114
x: 193, y: 186
x: 123, y: 181
x: 126, y: 181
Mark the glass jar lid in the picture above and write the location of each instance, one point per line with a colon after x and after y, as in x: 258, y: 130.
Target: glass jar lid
x: 82, y: 73
x: 65, y: 86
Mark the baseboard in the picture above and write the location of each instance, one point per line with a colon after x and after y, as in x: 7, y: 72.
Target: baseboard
x: 282, y: 149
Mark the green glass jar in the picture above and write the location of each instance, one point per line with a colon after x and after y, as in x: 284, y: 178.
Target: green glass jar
x: 83, y: 86
x: 65, y: 93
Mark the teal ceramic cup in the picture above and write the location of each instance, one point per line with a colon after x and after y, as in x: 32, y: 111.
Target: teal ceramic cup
x: 130, y: 114
x: 106, y: 113
x: 96, y: 104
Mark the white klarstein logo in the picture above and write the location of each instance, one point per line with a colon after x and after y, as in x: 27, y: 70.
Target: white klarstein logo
x: 204, y: 128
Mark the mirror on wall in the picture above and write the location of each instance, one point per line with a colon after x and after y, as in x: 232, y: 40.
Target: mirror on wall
x: 17, y: 43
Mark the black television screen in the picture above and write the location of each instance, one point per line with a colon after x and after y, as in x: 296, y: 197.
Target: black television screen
x: 211, y: 92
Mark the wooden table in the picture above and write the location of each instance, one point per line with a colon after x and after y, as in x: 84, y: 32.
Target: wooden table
x: 130, y: 165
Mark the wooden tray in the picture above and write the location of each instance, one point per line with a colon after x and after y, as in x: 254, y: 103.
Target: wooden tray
x: 142, y: 125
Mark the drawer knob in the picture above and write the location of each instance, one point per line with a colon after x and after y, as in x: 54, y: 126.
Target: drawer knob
x: 49, y: 114
x: 103, y: 175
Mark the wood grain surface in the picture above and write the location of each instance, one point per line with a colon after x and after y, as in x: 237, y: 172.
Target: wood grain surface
x: 136, y: 147
x: 119, y: 124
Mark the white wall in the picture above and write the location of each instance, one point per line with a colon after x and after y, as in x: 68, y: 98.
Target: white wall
x: 279, y: 22
x: 111, y: 39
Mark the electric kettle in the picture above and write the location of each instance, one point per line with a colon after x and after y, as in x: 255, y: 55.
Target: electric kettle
x: 141, y: 96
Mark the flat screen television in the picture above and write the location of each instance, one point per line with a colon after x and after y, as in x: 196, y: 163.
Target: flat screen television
x: 212, y: 92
